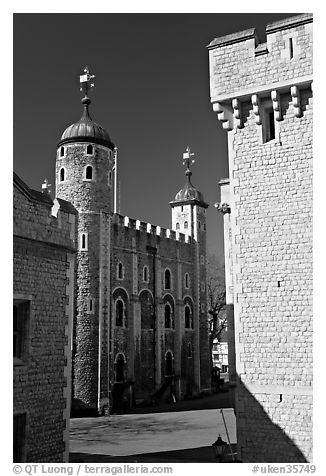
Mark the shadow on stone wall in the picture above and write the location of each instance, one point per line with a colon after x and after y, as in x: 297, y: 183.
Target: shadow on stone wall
x: 259, y: 439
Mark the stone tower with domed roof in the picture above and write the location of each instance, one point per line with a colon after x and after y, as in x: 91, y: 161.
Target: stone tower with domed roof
x: 140, y: 322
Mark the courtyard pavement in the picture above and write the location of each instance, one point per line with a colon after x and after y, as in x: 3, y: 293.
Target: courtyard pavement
x: 155, y: 434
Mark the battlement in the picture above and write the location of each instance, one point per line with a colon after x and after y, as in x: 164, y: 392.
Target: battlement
x: 240, y: 66
x: 126, y: 222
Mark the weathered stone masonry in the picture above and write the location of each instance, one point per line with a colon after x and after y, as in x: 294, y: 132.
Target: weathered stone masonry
x: 43, y: 279
x: 262, y: 94
x: 130, y: 335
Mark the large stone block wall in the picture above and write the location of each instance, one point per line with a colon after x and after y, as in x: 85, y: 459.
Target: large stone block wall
x: 43, y: 247
x: 271, y: 239
x: 130, y: 241
x: 238, y: 63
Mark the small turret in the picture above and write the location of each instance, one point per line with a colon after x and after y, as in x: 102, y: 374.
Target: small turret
x: 188, y: 206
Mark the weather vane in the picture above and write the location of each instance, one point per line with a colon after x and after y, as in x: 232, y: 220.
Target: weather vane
x: 187, y: 158
x: 84, y: 80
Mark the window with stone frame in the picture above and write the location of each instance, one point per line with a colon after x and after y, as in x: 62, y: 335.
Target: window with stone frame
x: 120, y: 271
x: 185, y: 225
x: 89, y: 149
x: 62, y: 174
x: 168, y: 318
x: 21, y: 320
x: 187, y: 281
x: 89, y: 172
x: 145, y: 274
x: 268, y: 121
x: 19, y: 435
x: 177, y: 226
x: 167, y: 279
x: 83, y: 242
x: 90, y: 306
x: 188, y: 317
x: 119, y: 313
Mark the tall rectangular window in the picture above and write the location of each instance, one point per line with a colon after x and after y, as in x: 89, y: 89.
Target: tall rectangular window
x: 19, y: 433
x: 83, y: 242
x: 291, y: 47
x: 21, y: 317
x: 268, y: 124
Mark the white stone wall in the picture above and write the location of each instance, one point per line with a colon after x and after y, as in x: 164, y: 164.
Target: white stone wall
x: 271, y: 236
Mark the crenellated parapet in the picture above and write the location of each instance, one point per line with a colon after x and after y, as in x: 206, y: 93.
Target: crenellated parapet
x: 147, y: 228
x: 244, y: 72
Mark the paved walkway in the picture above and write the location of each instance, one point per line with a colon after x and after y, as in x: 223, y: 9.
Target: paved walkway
x: 173, y: 436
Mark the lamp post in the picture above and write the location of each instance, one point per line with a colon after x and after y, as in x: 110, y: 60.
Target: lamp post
x: 219, y: 447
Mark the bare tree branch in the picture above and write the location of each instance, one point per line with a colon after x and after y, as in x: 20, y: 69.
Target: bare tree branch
x: 217, y: 318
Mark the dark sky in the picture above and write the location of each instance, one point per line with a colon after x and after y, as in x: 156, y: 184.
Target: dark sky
x: 151, y: 94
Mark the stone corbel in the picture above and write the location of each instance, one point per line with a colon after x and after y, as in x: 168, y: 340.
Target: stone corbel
x: 295, y: 93
x: 224, y: 114
x: 237, y: 113
x: 256, y: 108
x: 276, y: 105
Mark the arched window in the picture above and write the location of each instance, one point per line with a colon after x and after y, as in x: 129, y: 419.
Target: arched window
x: 89, y: 172
x: 120, y: 368
x: 119, y: 313
x: 89, y: 149
x: 120, y: 271
x: 187, y: 280
x: 167, y: 279
x: 168, y: 364
x: 146, y: 310
x: 145, y: 274
x: 189, y: 350
x: 177, y: 226
x: 188, y: 317
x: 186, y: 225
x: 62, y: 175
x: 62, y: 151
x: 168, y: 316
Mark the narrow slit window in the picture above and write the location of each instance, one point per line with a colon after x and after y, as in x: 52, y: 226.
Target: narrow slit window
x: 291, y: 47
x: 145, y: 274
x: 83, y: 242
x: 187, y: 281
x: 188, y: 318
x: 120, y: 271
